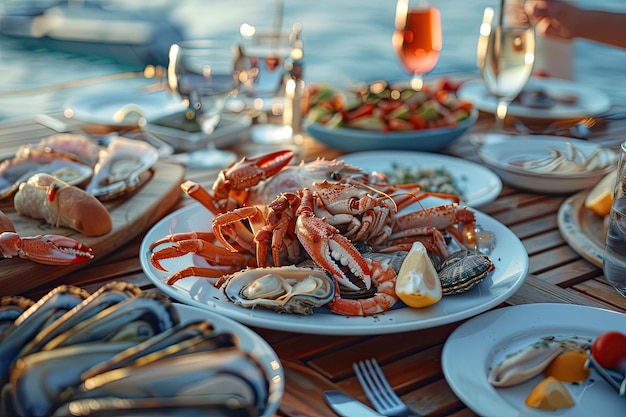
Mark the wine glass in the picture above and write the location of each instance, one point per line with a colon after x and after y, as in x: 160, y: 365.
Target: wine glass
x: 417, y: 38
x: 614, y: 259
x: 505, y: 55
x: 203, y: 73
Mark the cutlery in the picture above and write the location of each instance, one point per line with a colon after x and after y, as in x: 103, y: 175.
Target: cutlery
x: 378, y: 390
x: 346, y: 406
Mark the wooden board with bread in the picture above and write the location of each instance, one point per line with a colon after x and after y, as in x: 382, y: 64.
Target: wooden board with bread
x: 130, y: 215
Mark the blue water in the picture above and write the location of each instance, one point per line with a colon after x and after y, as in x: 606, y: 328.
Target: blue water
x: 346, y: 41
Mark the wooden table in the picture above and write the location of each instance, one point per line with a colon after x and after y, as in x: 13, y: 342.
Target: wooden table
x: 314, y: 363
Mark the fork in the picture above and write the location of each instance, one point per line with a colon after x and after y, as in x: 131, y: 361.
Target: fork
x: 378, y: 390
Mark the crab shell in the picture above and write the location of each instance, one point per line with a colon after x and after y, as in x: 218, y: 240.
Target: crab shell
x: 286, y: 289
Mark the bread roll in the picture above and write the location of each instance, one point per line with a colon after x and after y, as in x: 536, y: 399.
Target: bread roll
x: 60, y: 204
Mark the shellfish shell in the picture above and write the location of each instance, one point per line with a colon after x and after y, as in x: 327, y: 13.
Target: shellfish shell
x: 290, y: 289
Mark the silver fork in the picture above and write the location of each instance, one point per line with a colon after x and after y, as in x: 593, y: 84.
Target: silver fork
x: 378, y: 390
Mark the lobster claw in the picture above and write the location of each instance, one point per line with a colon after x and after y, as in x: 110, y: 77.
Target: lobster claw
x: 46, y: 249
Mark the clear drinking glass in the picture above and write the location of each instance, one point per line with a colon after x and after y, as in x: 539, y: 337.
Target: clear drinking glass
x: 614, y: 260
x: 505, y: 55
x: 273, y: 59
x: 203, y: 73
x: 417, y: 38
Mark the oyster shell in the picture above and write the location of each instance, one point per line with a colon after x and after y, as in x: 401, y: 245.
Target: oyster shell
x: 571, y: 160
x: 289, y: 289
x: 120, y: 166
x: 530, y: 361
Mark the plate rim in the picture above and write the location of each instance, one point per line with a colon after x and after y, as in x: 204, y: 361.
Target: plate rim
x: 523, y: 111
x: 275, y: 373
x: 342, y: 325
x: 428, y: 157
x: 484, y: 326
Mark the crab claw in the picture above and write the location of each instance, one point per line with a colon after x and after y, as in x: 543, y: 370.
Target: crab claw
x: 47, y: 249
x: 250, y: 171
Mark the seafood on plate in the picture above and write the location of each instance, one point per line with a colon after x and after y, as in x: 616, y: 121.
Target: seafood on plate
x: 120, y: 351
x: 107, y: 172
x: 47, y: 249
x: 270, y: 213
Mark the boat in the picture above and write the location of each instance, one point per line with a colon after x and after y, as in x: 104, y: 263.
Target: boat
x: 139, y: 36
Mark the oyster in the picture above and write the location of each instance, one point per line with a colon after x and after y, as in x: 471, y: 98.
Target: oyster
x: 463, y: 270
x: 571, y: 160
x: 288, y: 289
x: 530, y: 361
x: 120, y: 166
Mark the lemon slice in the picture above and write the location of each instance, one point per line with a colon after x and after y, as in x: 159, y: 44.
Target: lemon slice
x: 550, y: 394
x: 417, y: 284
x: 600, y: 197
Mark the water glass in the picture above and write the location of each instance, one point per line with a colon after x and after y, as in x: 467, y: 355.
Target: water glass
x: 614, y: 260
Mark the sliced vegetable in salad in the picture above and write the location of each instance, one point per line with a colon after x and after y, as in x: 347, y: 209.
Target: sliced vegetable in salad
x: 383, y: 106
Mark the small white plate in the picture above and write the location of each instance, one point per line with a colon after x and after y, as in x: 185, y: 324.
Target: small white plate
x: 249, y: 342
x: 475, y: 345
x: 123, y: 108
x: 500, y: 152
x: 509, y: 257
x: 479, y: 185
x: 588, y: 100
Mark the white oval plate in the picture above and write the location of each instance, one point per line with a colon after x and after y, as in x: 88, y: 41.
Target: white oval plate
x: 123, y: 108
x: 479, y: 185
x: 249, y: 342
x: 509, y: 256
x: 486, y: 338
x: 589, y: 102
x: 499, y: 152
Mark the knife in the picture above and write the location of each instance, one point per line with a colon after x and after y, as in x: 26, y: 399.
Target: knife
x: 346, y: 406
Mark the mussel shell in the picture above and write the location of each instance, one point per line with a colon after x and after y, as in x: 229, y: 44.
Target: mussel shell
x: 106, y: 296
x: 137, y: 318
x: 39, y: 379
x: 229, y: 406
x: 289, y: 288
x: 11, y: 307
x: 213, y: 374
x: 38, y: 316
x: 463, y: 270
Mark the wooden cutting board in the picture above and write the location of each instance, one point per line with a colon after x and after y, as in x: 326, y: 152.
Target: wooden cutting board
x: 131, y: 215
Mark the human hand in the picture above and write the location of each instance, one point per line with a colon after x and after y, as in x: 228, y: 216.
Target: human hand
x: 553, y: 18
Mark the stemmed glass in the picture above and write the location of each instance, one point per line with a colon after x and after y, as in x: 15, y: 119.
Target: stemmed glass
x: 203, y: 73
x: 614, y: 259
x: 417, y: 38
x: 505, y: 55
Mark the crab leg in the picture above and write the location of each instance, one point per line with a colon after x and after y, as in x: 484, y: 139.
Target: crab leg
x: 212, y: 253
x: 47, y: 249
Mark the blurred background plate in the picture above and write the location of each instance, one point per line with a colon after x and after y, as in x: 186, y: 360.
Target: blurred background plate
x: 501, y: 153
x: 123, y: 108
x: 354, y: 140
x: 566, y: 99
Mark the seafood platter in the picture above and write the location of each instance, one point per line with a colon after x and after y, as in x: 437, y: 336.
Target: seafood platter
x: 547, y: 164
x: 383, y: 115
x: 538, y: 360
x: 325, y: 247
x: 78, y: 353
x: 66, y: 201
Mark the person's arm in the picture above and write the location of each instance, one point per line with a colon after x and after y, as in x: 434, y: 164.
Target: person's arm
x: 565, y: 20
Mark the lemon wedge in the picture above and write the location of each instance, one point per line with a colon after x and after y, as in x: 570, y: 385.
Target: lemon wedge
x: 417, y: 284
x: 550, y: 395
x: 600, y: 197
x: 569, y: 367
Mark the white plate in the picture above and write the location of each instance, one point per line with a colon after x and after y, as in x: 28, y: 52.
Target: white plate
x: 123, y: 108
x: 486, y: 338
x: 590, y: 101
x: 509, y: 256
x: 249, y: 342
x: 479, y: 185
x: 500, y: 152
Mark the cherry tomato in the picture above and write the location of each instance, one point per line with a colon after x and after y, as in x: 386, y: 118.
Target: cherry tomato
x: 609, y: 349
